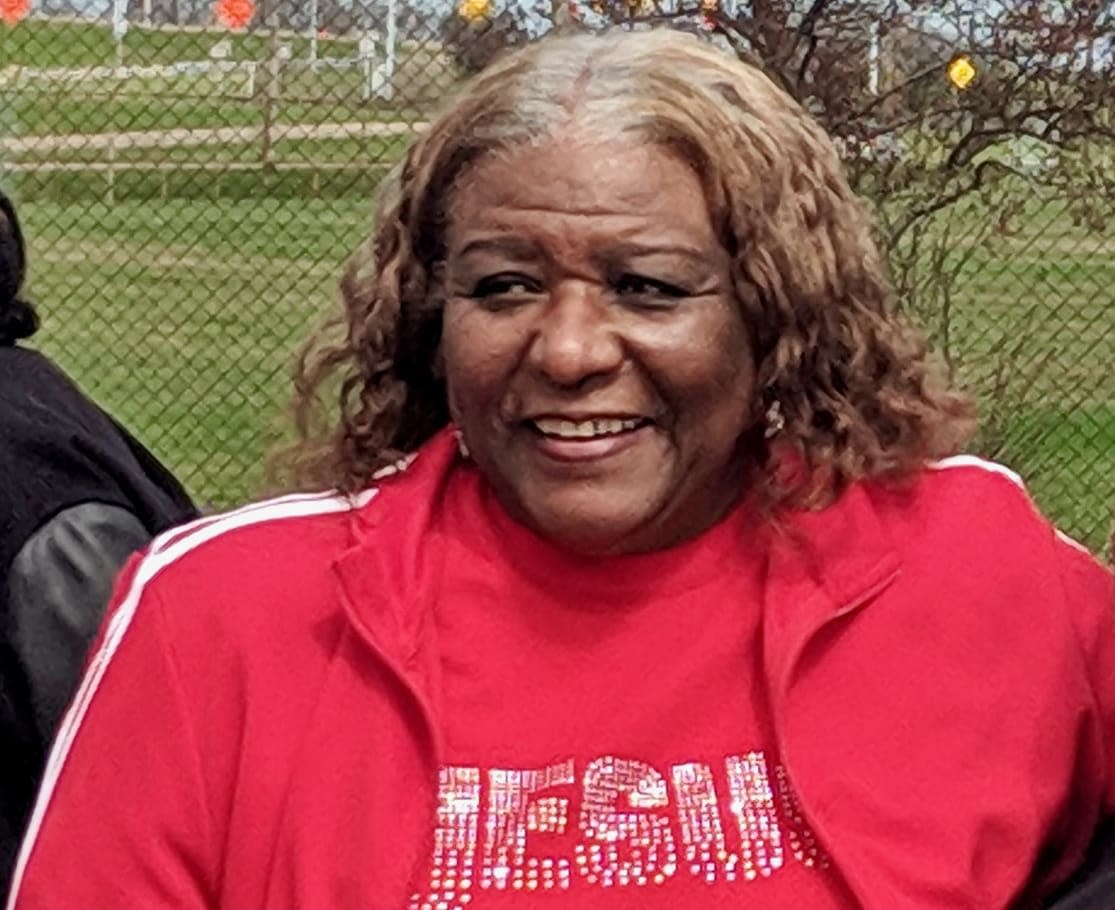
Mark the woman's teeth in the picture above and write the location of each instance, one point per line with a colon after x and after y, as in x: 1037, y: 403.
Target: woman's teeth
x: 584, y: 429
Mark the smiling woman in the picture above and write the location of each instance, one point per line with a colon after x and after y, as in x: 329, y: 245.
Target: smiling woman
x: 649, y: 576
x: 597, y: 363
x: 727, y: 189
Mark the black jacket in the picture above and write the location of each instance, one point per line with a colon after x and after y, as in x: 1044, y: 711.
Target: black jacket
x: 77, y: 496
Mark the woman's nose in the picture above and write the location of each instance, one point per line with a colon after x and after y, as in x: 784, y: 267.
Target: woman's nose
x: 575, y: 339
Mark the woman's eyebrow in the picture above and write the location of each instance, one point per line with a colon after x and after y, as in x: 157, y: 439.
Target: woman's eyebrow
x: 638, y: 249
x: 513, y: 245
x: 684, y: 260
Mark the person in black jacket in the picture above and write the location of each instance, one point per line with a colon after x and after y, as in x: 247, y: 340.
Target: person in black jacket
x: 78, y: 495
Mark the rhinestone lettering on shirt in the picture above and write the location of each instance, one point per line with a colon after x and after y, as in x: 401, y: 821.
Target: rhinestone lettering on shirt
x: 754, y: 811
x: 458, y: 817
x: 632, y: 830
x: 511, y: 815
x: 624, y: 840
x: 706, y: 847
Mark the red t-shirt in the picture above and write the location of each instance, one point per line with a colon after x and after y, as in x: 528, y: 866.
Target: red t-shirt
x: 608, y: 739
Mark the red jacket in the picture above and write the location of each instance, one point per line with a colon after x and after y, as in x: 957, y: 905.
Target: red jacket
x: 259, y: 726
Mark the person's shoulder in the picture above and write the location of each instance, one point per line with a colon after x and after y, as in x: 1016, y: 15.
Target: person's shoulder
x: 40, y: 401
x: 978, y: 486
x: 41, y: 474
x: 27, y: 375
x: 274, y: 543
x: 284, y: 535
x: 264, y: 570
x: 30, y: 367
x: 969, y: 536
x: 965, y: 498
x: 958, y: 481
x: 997, y: 492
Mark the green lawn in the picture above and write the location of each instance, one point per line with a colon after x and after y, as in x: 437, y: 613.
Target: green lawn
x: 63, y: 111
x: 180, y: 317
x: 1030, y: 328
x: 177, y: 295
x: 1067, y: 455
x: 185, y: 104
x: 84, y: 103
x: 354, y: 150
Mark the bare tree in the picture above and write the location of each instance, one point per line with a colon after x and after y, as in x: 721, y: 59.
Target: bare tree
x: 930, y: 154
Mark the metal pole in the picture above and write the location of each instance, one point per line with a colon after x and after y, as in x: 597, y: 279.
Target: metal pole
x: 119, y: 27
x: 873, y: 59
x: 313, y: 30
x: 270, y: 95
x: 392, y: 38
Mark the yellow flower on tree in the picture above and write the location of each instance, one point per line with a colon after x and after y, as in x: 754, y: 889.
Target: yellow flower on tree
x: 472, y: 10
x: 961, y: 71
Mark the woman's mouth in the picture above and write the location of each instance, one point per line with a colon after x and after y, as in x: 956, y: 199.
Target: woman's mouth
x: 560, y: 428
x: 587, y: 439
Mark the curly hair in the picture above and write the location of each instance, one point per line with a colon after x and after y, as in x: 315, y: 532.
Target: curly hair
x: 858, y: 393
x: 17, y: 317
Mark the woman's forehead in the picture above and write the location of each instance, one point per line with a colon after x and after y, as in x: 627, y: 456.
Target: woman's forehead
x: 578, y: 179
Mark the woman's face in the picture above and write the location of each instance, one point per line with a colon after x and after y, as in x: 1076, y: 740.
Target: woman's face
x: 597, y: 362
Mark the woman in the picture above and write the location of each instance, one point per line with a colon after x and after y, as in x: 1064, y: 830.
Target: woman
x: 648, y: 587
x: 77, y: 496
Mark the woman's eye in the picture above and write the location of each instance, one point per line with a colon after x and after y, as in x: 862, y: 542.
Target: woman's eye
x: 650, y: 288
x: 500, y: 286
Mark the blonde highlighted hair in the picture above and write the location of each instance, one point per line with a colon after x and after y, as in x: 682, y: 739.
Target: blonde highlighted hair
x: 858, y: 394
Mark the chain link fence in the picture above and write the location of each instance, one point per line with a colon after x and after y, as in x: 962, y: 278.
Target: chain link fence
x: 192, y: 176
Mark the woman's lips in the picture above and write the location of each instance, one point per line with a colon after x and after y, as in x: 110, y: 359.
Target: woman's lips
x: 587, y: 440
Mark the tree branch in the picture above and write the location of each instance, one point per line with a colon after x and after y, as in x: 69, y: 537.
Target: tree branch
x: 893, y: 91
x: 914, y: 214
x: 808, y: 30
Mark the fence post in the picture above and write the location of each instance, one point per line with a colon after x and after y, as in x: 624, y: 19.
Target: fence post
x: 366, y: 51
x: 271, y: 91
x: 119, y: 30
x: 110, y: 189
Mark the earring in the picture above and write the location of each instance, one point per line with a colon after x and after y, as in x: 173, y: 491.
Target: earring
x: 775, y: 420
x: 462, y: 447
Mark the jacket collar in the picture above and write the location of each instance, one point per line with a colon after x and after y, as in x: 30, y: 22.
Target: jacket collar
x: 388, y: 577
x: 821, y: 566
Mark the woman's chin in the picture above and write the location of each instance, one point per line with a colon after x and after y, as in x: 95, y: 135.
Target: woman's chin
x: 588, y: 530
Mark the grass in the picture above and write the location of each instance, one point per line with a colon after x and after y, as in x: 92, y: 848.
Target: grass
x: 65, y: 111
x: 177, y: 297
x: 180, y: 317
x: 183, y: 104
x: 215, y: 187
x: 1067, y: 455
x: 353, y: 150
x: 82, y: 103
x: 1030, y: 330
